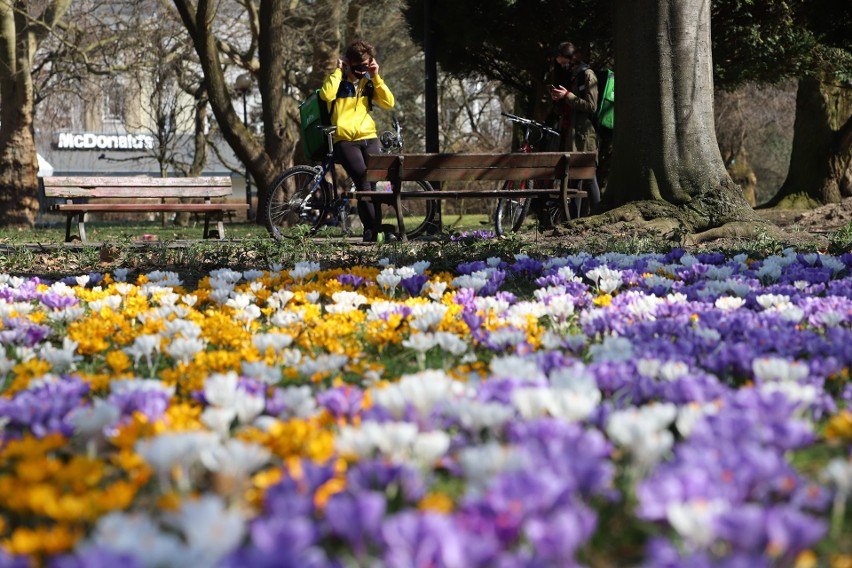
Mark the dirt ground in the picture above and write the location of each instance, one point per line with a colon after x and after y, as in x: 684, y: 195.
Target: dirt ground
x: 811, y: 229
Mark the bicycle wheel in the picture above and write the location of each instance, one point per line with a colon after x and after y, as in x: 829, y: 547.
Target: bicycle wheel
x: 417, y: 213
x: 298, y: 197
x: 511, y: 211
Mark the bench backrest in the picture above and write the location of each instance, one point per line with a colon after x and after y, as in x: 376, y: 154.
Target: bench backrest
x: 475, y: 167
x: 137, y: 186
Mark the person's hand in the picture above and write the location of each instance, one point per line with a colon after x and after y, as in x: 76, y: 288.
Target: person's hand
x: 558, y: 92
x: 341, y: 63
x: 373, y: 67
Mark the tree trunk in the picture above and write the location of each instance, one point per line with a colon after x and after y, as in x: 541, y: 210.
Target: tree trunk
x: 821, y: 161
x: 664, y: 146
x: 18, y: 158
x: 198, y: 21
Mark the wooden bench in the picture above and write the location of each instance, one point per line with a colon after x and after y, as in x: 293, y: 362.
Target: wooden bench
x: 560, y: 168
x: 124, y: 195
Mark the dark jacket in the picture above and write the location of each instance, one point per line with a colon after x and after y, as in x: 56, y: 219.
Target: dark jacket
x: 583, y: 104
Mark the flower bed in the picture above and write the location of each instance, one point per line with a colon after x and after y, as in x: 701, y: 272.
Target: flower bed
x: 656, y: 410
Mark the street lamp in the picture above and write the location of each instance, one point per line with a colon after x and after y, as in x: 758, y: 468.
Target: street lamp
x: 243, y: 85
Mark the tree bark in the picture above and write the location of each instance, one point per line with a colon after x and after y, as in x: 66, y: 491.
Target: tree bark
x: 18, y: 157
x: 199, y: 21
x: 664, y: 146
x: 820, y: 169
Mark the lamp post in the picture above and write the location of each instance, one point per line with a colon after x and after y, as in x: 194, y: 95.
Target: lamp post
x: 243, y: 85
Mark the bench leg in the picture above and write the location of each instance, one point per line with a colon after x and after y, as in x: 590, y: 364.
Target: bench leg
x: 68, y: 238
x: 81, y: 227
x: 220, y: 225
x: 399, y: 220
x: 207, y: 225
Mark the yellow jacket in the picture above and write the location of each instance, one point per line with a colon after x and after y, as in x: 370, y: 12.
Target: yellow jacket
x: 350, y: 112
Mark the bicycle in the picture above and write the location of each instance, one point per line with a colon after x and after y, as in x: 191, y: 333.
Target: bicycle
x: 309, y: 195
x: 512, y: 211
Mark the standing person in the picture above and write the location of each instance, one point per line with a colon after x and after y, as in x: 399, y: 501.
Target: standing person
x: 579, y: 102
x: 350, y: 91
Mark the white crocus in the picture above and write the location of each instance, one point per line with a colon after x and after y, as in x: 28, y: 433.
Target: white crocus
x: 218, y: 419
x: 426, y: 389
x: 235, y: 458
x: 475, y: 416
x: 144, y: 346
x: 474, y: 281
x: 220, y: 389
x: 643, y: 431
x: 172, y: 451
x: 728, y: 303
x: 90, y: 421
x: 275, y: 341
x: 138, y: 536
x: 611, y: 349
x: 299, y: 402
x: 388, y: 280
x: 480, y: 464
x: 694, y: 520
x: 429, y: 446
x: 183, y: 350
x: 261, y: 371
x: 779, y: 369
x: 513, y: 366
x: 531, y: 403
x: 690, y: 414
x: 427, y: 317
x: 302, y: 269
x: 435, y: 290
x: 323, y: 363
x: 61, y: 359
x: 210, y: 528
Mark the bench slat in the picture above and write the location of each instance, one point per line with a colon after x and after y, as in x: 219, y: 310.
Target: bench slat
x: 150, y: 207
x: 138, y: 193
x: 482, y: 174
x: 136, y: 181
x: 474, y: 160
x: 481, y: 167
x: 450, y: 194
x: 137, y: 187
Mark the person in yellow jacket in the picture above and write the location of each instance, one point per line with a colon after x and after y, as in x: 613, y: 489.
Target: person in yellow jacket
x: 350, y: 91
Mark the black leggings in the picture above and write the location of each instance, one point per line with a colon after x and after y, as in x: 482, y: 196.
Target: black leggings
x: 353, y: 157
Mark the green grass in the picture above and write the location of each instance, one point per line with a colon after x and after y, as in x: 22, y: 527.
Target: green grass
x: 133, y: 231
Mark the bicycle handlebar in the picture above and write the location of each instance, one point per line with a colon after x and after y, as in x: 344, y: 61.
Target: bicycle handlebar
x: 528, y: 122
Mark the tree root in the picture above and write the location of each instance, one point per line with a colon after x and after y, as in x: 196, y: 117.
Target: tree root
x: 679, y: 224
x: 737, y: 230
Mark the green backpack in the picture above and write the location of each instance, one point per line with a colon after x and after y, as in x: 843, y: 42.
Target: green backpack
x: 314, y: 112
x: 606, y: 98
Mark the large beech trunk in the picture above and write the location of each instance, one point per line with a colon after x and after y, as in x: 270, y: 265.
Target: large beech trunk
x: 821, y: 160
x: 664, y: 146
x: 18, y: 158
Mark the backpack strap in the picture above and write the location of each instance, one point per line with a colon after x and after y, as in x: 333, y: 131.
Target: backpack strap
x: 369, y: 90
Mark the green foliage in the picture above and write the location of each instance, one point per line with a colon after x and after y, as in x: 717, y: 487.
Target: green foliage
x: 840, y: 241
x: 511, y: 41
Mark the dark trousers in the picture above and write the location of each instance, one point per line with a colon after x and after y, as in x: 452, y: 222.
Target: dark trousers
x: 353, y: 157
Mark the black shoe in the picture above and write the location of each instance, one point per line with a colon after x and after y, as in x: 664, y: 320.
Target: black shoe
x: 368, y: 236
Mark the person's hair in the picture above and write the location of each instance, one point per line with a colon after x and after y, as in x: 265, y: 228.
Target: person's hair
x: 565, y: 49
x: 358, y: 49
